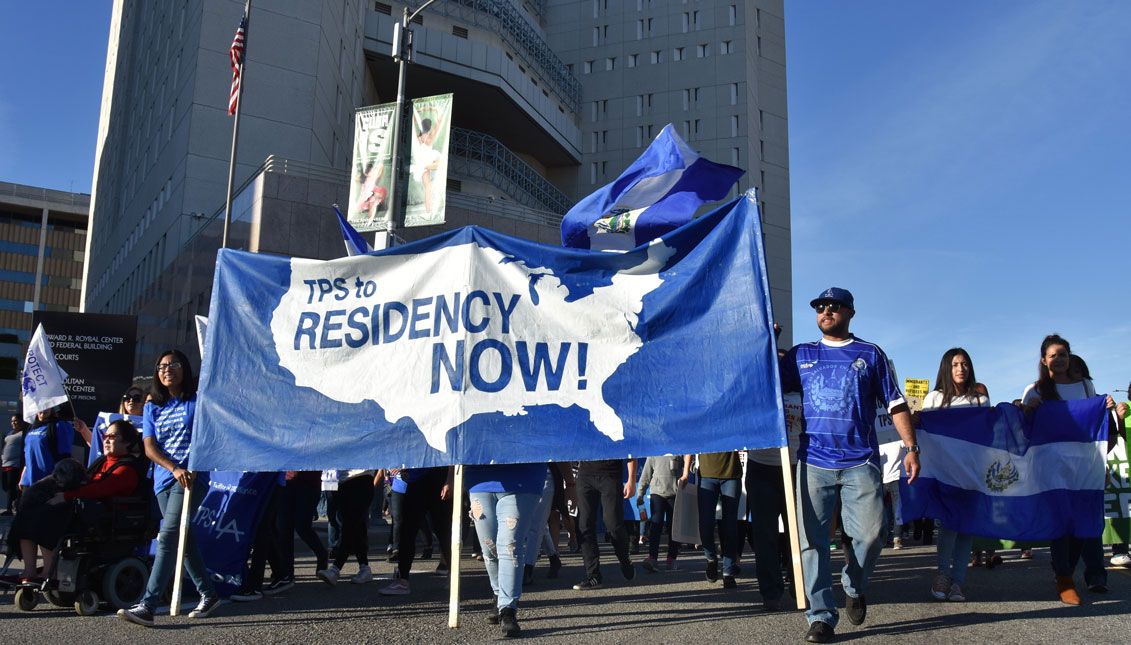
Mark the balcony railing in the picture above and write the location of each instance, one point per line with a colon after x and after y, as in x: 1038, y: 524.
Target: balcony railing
x: 506, y: 20
x: 480, y: 156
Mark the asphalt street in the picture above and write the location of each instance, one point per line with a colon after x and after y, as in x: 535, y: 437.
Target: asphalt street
x: 1013, y: 603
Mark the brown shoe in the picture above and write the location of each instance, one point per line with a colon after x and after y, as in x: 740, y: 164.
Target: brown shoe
x: 1067, y: 590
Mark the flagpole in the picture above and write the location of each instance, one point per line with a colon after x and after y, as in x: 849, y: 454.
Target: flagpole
x: 236, y: 129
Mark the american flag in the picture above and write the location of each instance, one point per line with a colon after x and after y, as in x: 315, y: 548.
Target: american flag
x: 236, y: 52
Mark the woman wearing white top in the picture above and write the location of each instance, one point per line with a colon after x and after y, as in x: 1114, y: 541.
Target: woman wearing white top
x: 1055, y: 383
x: 955, y: 387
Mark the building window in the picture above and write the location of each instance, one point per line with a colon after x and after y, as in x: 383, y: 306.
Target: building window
x: 632, y: 59
x: 695, y: 20
x: 726, y: 47
x: 734, y: 93
x: 593, y: 172
x: 593, y: 142
x: 596, y: 36
x: 639, y: 29
x: 732, y: 14
x: 677, y: 54
x: 640, y: 105
x: 639, y: 136
x: 702, y: 50
x: 610, y: 64
x: 686, y: 21
x: 734, y: 125
x: 588, y: 69
x: 686, y: 99
x: 657, y: 56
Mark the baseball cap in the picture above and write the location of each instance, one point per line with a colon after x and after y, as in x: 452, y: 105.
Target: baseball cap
x: 834, y: 294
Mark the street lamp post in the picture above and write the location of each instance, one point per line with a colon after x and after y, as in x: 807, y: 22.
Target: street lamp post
x: 402, y: 53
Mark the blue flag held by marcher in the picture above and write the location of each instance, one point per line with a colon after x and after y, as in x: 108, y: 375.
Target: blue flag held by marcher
x: 657, y: 193
x: 355, y: 243
x: 994, y: 473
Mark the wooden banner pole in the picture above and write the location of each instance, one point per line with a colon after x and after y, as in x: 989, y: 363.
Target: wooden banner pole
x: 182, y: 535
x: 457, y: 547
x: 791, y: 519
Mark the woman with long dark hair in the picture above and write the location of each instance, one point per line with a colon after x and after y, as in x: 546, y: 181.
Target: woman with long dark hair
x: 955, y: 387
x: 168, y: 421
x: 1056, y: 383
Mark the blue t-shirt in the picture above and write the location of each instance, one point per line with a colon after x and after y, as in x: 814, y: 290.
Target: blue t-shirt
x: 841, y: 384
x: 171, y: 426
x: 406, y: 477
x: 506, y: 478
x: 39, y: 458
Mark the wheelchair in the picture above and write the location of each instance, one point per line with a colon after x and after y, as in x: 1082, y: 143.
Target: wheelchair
x: 101, y: 559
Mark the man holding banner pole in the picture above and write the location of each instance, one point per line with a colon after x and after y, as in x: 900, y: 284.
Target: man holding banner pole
x: 841, y: 378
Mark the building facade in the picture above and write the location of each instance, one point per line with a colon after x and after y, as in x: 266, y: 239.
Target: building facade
x: 553, y: 98
x: 43, y: 236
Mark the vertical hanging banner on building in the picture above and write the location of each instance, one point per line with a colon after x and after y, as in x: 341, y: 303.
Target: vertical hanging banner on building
x: 427, y: 153
x: 97, y: 353
x: 372, y: 162
x: 474, y: 347
x: 428, y: 160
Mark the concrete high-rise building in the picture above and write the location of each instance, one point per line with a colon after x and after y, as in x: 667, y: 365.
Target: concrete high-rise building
x: 553, y: 98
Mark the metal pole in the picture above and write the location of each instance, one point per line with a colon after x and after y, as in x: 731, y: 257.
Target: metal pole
x: 236, y: 128
x: 401, y: 53
x: 393, y: 214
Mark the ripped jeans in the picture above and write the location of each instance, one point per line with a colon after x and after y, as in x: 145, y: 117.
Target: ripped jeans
x: 503, y: 520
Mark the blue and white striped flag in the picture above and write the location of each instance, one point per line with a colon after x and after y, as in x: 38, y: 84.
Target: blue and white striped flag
x: 355, y: 243
x: 992, y: 472
x: 658, y: 193
x: 42, y: 379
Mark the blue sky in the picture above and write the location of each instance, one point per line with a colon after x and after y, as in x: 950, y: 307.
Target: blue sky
x: 961, y: 166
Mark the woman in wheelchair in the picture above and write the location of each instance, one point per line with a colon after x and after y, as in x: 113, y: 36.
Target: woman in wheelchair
x: 117, y: 473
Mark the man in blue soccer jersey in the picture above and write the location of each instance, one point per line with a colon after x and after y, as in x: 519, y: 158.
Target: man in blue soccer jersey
x: 842, y: 378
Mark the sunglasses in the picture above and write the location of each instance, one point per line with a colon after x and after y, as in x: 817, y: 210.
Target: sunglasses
x: 133, y: 397
x: 165, y: 367
x: 831, y: 307
x: 110, y: 435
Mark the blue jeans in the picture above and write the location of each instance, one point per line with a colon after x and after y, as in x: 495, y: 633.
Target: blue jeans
x: 538, y: 525
x: 859, y: 491
x: 954, y: 553
x: 170, y: 501
x: 504, y: 519
x: 709, y: 491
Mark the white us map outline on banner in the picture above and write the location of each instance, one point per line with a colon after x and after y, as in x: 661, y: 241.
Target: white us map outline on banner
x: 557, y: 351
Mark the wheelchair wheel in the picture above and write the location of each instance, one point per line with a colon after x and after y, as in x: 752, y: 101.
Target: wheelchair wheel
x: 59, y: 598
x: 26, y: 598
x: 123, y: 583
x: 86, y: 603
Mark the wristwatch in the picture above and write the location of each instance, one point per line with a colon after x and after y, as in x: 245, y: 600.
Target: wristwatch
x: 912, y: 448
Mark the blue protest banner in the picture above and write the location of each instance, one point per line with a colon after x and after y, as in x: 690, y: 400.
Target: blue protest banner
x: 226, y: 522
x: 476, y: 347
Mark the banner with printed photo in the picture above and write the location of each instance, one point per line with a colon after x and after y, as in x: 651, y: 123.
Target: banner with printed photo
x: 371, y: 177
x: 429, y: 133
x: 475, y: 347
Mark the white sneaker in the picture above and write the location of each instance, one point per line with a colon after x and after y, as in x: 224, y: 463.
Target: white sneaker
x: 363, y: 575
x: 329, y: 575
x: 1120, y: 560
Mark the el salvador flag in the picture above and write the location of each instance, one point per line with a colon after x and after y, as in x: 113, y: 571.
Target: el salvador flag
x: 658, y: 193
x: 355, y: 243
x: 992, y: 472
